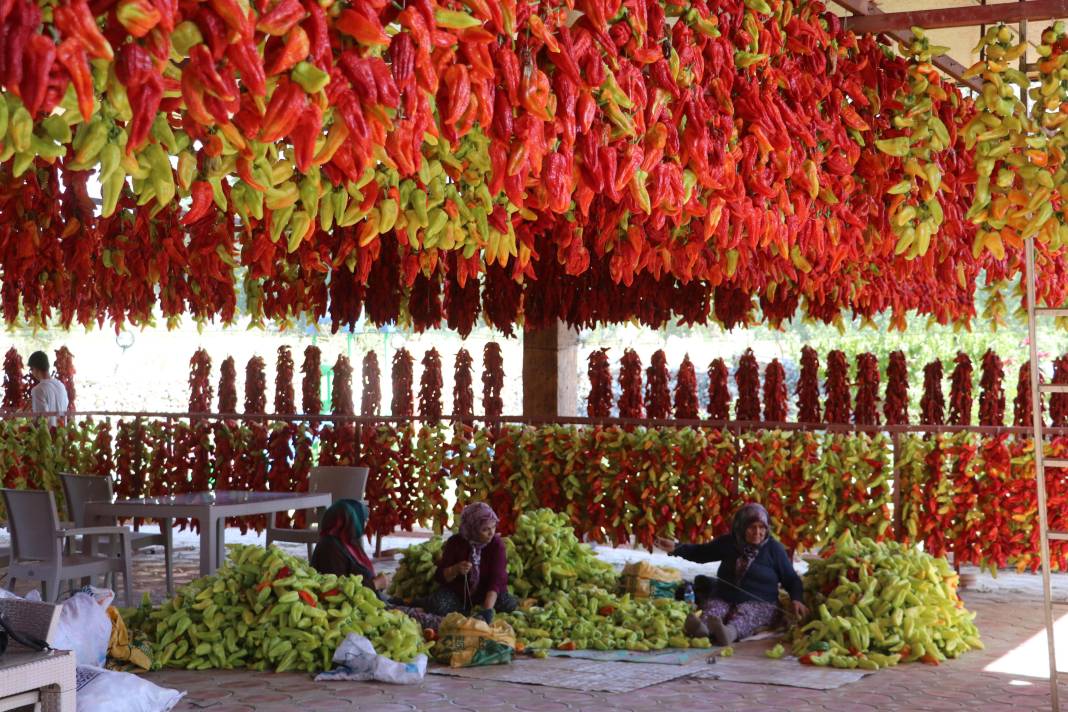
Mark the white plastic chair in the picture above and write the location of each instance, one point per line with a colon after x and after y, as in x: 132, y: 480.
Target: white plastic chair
x: 341, y: 482
x: 38, y: 546
x: 80, y: 489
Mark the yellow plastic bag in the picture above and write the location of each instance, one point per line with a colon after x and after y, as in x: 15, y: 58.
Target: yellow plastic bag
x: 467, y: 642
x: 643, y: 580
x: 124, y: 653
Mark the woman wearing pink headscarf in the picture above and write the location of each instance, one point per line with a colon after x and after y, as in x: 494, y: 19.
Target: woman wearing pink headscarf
x: 473, y: 570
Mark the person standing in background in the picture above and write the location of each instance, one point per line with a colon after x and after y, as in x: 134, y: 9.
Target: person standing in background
x: 49, y: 395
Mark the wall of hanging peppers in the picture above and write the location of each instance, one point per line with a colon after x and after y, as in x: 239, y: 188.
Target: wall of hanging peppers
x: 965, y: 494
x: 430, y: 161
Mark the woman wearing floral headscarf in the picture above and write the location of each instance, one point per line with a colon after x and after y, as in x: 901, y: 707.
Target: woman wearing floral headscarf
x: 340, y: 548
x: 753, y: 564
x: 473, y: 570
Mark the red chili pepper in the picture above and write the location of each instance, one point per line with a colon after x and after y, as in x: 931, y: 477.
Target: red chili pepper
x: 294, y: 51
x: 40, y: 55
x: 71, y: 54
x: 361, y: 27
x: 281, y: 18
x: 284, y: 110
x: 246, y: 58
x: 75, y: 21
x: 308, y: 598
x: 203, y: 202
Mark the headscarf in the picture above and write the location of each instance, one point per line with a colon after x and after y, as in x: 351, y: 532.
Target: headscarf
x: 344, y: 521
x: 749, y: 513
x: 475, y: 516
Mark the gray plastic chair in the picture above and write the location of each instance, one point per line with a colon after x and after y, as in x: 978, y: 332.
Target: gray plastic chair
x: 38, y: 550
x: 342, y: 483
x: 80, y: 489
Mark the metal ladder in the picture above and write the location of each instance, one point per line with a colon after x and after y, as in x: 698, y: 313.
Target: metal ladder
x: 1041, y: 462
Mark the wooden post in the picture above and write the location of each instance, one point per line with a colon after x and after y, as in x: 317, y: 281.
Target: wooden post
x: 550, y: 372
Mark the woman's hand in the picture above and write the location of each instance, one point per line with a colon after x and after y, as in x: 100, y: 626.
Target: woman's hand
x: 381, y: 582
x: 461, y: 568
x: 666, y: 544
x: 800, y: 609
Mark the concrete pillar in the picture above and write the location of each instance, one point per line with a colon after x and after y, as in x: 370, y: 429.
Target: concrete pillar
x: 550, y: 372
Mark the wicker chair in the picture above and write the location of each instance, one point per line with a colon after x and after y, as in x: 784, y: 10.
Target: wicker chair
x: 80, y: 489
x: 341, y: 483
x: 38, y: 546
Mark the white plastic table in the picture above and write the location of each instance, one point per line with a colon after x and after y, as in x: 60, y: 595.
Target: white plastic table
x: 211, y: 509
x: 47, y: 679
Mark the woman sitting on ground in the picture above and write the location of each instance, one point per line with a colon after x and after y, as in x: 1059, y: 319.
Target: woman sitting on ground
x: 753, y: 564
x: 340, y: 548
x: 473, y: 570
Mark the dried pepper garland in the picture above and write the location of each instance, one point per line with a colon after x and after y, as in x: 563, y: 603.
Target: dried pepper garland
x: 1021, y: 405
x: 836, y: 389
x: 65, y: 374
x: 371, y: 393
x: 283, y: 382
x: 13, y: 376
x: 775, y: 395
x: 960, y: 391
x: 686, y: 405
x: 311, y: 401
x: 256, y: 386
x: 401, y: 404
x: 200, y: 382
x: 991, y: 390
x: 896, y: 404
x: 933, y: 402
x: 492, y: 380
x: 341, y: 392
x: 719, y: 395
x: 866, y: 410
x: 599, y: 402
x: 747, y: 380
x: 430, y: 407
x: 630, y: 385
x: 463, y: 396
x: 808, y: 387
x: 1058, y: 402
x: 228, y: 386
x: 657, y: 388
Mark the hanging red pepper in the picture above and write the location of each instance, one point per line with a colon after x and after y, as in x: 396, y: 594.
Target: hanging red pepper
x: 686, y: 405
x: 371, y: 393
x: 747, y: 379
x: 960, y: 392
x: 630, y: 384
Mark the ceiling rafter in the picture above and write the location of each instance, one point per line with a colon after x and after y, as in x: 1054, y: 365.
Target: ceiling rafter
x: 867, y: 8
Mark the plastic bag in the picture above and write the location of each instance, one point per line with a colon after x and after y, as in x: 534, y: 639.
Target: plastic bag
x: 468, y: 642
x: 85, y: 629
x: 643, y: 580
x: 357, y: 660
x: 100, y: 690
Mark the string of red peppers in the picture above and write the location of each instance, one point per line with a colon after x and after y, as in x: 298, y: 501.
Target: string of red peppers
x: 960, y: 391
x: 896, y: 403
x: 14, y: 396
x: 64, y: 372
x: 686, y: 405
x: 932, y: 403
x: 630, y: 385
x: 430, y: 406
x: 599, y: 402
x: 747, y: 380
x: 775, y: 393
x: 311, y: 398
x: 492, y: 380
x: 228, y: 386
x: 991, y: 391
x: 657, y: 388
x: 719, y: 396
x: 808, y: 387
x: 463, y: 396
x: 1058, y: 402
x: 866, y: 410
x: 836, y: 388
x: 371, y: 392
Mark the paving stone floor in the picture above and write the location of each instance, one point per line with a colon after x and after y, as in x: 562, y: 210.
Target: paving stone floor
x: 1008, y: 675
